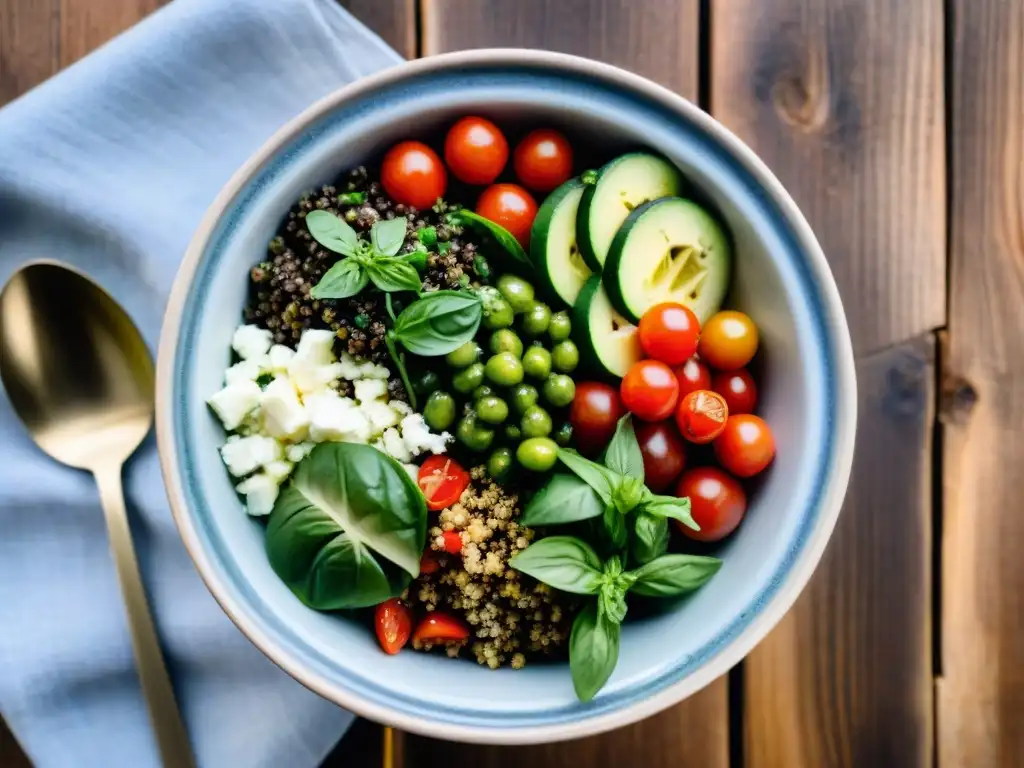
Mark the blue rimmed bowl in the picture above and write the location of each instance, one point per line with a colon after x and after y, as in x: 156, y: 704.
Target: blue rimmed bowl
x: 781, y: 279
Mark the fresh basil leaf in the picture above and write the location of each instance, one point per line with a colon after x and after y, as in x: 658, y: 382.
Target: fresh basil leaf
x: 593, y: 474
x: 673, y: 575
x: 623, y: 452
x: 517, y: 256
x: 351, y: 518
x: 418, y: 259
x: 427, y: 235
x: 565, y: 499
x: 615, y: 526
x: 628, y: 494
x: 439, y: 322
x: 593, y: 651
x: 344, y: 279
x: 562, y: 562
x: 332, y: 232
x: 388, y: 235
x: 612, y: 602
x: 670, y: 506
x: 650, y: 537
x: 391, y: 274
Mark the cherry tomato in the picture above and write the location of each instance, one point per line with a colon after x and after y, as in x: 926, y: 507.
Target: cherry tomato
x: 413, y: 174
x: 476, y: 150
x: 543, y: 160
x: 692, y: 375
x: 649, y: 390
x: 746, y: 445
x: 442, y: 481
x: 664, y: 453
x: 440, y: 627
x: 702, y: 416
x: 594, y: 414
x: 428, y: 564
x: 393, y: 623
x: 512, y: 207
x: 728, y: 341
x: 452, y: 542
x: 738, y: 388
x: 717, y: 503
x: 669, y: 332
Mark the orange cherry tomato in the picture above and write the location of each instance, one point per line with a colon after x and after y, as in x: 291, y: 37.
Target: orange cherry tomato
x: 728, y: 341
x: 746, y: 446
x: 702, y: 416
x: 393, y: 623
x: 738, y: 388
x: 543, y: 160
x: 669, y: 332
x: 512, y: 207
x: 717, y: 503
x: 692, y: 375
x: 452, y: 542
x: 442, y: 481
x: 476, y: 150
x: 649, y: 390
x: 440, y: 627
x: 428, y: 564
x: 413, y: 174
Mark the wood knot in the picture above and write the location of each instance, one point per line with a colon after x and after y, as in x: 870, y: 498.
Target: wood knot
x: 957, y: 400
x: 802, y: 100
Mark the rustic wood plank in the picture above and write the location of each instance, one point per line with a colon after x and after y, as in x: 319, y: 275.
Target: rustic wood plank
x: 981, y: 691
x: 86, y: 25
x: 843, y: 99
x: 393, y: 20
x: 29, y: 43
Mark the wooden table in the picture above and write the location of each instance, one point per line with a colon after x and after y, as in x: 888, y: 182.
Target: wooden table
x: 898, y: 126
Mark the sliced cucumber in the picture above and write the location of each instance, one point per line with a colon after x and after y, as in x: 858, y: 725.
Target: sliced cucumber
x: 668, y: 250
x: 553, y: 243
x: 608, y: 343
x: 622, y: 185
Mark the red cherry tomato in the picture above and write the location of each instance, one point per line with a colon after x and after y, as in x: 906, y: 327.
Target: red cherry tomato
x: 746, y: 445
x: 664, y: 453
x: 452, y: 542
x: 543, y: 160
x: 476, y: 150
x: 649, y: 390
x: 717, y: 503
x: 428, y: 564
x: 440, y: 627
x: 512, y: 207
x: 669, y: 332
x: 594, y: 414
x: 442, y: 481
x: 728, y: 341
x: 692, y: 375
x: 413, y: 174
x: 738, y: 388
x: 393, y: 623
x: 702, y: 416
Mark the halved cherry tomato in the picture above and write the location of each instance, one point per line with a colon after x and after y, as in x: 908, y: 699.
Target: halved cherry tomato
x: 476, y: 150
x: 413, y: 174
x: 746, y: 445
x: 452, y: 542
x: 442, y: 481
x: 692, y: 375
x: 393, y: 623
x: 428, y: 564
x: 738, y: 388
x: 728, y: 341
x: 440, y: 627
x: 594, y: 414
x: 649, y: 390
x: 664, y: 453
x: 702, y: 416
x: 717, y: 503
x: 512, y: 207
x: 669, y: 332
x: 543, y: 160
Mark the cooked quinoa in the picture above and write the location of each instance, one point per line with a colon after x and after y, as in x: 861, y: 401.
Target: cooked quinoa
x: 512, y: 616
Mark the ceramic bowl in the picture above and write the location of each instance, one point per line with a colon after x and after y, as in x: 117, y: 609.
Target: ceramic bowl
x: 781, y: 279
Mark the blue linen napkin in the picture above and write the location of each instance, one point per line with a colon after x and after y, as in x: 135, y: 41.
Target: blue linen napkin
x: 109, y: 166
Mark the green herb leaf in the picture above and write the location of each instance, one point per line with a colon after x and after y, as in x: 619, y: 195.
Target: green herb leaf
x: 344, y: 279
x: 593, y: 474
x: 670, y: 506
x: 352, y: 198
x: 628, y: 494
x: 650, y: 537
x: 264, y: 379
x: 593, y: 651
x: 439, y: 322
x: 565, y: 499
x: 615, y: 526
x: 563, y: 562
x: 623, y: 453
x: 332, y: 232
x: 612, y: 602
x: 391, y: 274
x: 517, y: 258
x: 427, y: 235
x: 388, y: 235
x: 418, y: 259
x: 674, y: 575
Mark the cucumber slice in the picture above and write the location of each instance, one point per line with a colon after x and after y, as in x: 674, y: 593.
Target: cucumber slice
x: 622, y: 185
x: 608, y: 343
x: 668, y: 250
x: 553, y: 243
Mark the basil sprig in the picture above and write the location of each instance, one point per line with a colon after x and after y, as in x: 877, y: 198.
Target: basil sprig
x: 516, y: 259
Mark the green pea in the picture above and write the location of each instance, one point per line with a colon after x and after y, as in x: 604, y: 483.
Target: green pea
x: 537, y: 362
x: 523, y: 396
x: 559, y: 390
x: 504, y: 369
x: 498, y: 315
x: 465, y: 355
x: 563, y: 435
x: 468, y: 379
x: 565, y: 357
x: 560, y: 327
x: 426, y: 383
x: 513, y: 433
x: 537, y: 319
x: 439, y: 411
x: 492, y: 409
x: 473, y: 435
x: 536, y: 422
x: 499, y: 463
x: 538, y: 453
x: 482, y: 391
x: 517, y: 292
x: 505, y: 340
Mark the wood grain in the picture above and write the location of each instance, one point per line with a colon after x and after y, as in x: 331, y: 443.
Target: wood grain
x: 393, y: 20
x: 86, y: 24
x: 981, y: 691
x: 843, y: 99
x: 29, y: 45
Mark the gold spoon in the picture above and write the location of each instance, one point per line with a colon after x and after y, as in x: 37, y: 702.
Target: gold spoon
x: 81, y: 380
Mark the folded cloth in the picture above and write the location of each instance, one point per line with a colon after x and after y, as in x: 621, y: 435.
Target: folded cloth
x: 109, y: 166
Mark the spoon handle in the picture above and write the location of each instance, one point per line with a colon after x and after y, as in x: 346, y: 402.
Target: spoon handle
x: 171, y: 736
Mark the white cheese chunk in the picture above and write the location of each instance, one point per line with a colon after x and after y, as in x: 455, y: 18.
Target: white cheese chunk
x: 395, y: 447
x: 279, y: 470
x: 251, y: 341
x: 233, y: 403
x: 332, y: 417
x: 245, y: 370
x: 418, y: 438
x: 400, y: 407
x: 316, y: 347
x: 260, y: 493
x: 278, y: 358
x: 413, y: 470
x: 299, y: 451
x: 247, y: 454
x: 370, y: 370
x: 309, y: 379
x: 283, y: 415
x: 368, y: 390
x: 380, y: 414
